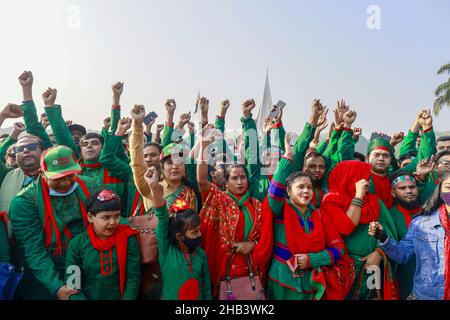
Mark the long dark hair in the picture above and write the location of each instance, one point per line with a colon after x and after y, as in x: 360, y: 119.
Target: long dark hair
x: 435, y: 201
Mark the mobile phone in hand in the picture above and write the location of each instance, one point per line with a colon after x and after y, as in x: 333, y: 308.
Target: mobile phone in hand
x: 150, y: 117
x: 277, y: 109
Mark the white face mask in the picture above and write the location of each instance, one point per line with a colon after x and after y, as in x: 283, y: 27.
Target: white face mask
x: 59, y: 194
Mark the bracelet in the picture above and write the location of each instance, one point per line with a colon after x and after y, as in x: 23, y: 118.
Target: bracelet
x: 357, y: 202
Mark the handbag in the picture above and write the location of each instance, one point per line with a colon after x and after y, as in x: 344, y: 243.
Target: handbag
x: 146, y: 226
x: 241, y: 288
x: 9, y: 280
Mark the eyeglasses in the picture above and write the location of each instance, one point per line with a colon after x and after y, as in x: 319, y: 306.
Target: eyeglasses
x: 11, y: 155
x: 31, y: 147
x: 107, y: 195
x: 445, y: 163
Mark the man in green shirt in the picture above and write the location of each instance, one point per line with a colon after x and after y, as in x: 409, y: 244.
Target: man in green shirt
x: 44, y: 217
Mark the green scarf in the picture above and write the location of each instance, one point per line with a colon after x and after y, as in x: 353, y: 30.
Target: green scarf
x: 243, y: 204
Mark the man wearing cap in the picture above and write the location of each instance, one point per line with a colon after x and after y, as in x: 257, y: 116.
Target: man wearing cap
x: 44, y: 217
x: 90, y: 144
x: 380, y: 154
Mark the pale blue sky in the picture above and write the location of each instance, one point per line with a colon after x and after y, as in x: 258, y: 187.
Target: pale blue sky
x: 163, y: 49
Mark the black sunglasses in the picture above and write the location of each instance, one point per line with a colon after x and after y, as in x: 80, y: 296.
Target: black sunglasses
x: 31, y: 146
x: 11, y: 155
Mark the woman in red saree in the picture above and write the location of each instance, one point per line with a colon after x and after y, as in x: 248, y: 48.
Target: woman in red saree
x: 232, y: 221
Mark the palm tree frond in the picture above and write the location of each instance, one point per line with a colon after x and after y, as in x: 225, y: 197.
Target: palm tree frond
x: 444, y: 68
x: 444, y: 87
x: 440, y: 102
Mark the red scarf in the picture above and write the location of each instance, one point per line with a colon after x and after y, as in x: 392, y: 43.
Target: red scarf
x: 443, y: 215
x: 341, y: 185
x: 118, y: 239
x: 297, y: 239
x: 49, y: 216
x: 382, y: 186
x: 407, y: 213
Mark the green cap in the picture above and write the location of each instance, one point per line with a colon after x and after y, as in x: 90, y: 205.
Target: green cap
x: 172, y: 149
x: 380, y: 143
x: 58, y: 162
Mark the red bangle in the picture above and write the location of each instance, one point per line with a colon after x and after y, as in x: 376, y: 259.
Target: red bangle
x: 347, y: 129
x: 428, y: 130
x: 277, y: 125
x: 169, y: 124
x: 116, y: 107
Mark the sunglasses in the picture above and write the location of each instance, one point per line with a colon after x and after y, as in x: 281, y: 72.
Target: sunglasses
x: 31, y: 147
x: 11, y: 155
x: 107, y: 195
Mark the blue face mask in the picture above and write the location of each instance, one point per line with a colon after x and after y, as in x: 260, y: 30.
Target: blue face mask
x: 192, y: 243
x: 59, y: 194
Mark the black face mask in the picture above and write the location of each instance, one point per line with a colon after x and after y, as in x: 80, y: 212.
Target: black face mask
x: 192, y: 243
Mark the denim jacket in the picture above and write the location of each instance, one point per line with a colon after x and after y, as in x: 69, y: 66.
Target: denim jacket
x: 425, y: 240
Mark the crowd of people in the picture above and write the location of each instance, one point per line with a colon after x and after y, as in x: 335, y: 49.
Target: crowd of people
x: 310, y: 219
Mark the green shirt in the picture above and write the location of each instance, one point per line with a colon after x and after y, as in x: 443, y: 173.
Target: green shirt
x: 102, y: 283
x: 174, y: 266
x: 44, y: 271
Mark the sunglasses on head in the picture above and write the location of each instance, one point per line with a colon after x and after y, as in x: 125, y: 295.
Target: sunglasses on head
x: 107, y: 195
x: 31, y: 147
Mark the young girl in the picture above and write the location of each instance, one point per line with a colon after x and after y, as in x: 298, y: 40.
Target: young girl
x: 184, y: 265
x: 107, y: 254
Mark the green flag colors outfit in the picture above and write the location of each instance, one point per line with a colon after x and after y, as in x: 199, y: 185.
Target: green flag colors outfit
x: 43, y: 237
x: 185, y: 276
x: 357, y: 240
x: 101, y: 263
x: 311, y: 233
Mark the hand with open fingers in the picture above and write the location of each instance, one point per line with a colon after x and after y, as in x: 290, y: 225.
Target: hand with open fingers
x: 49, y: 97
x: 65, y: 292
x: 322, y: 123
x: 267, y: 126
x: 69, y: 122
x: 362, y: 187
x: 12, y: 111
x: 138, y: 113
x: 317, y: 108
x: 26, y: 79
x: 248, y: 106
x: 245, y: 247
x: 338, y: 122
x: 425, y: 167
x: 289, y: 153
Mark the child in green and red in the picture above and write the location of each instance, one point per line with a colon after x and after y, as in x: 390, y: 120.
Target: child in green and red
x: 107, y: 254
x: 184, y: 265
